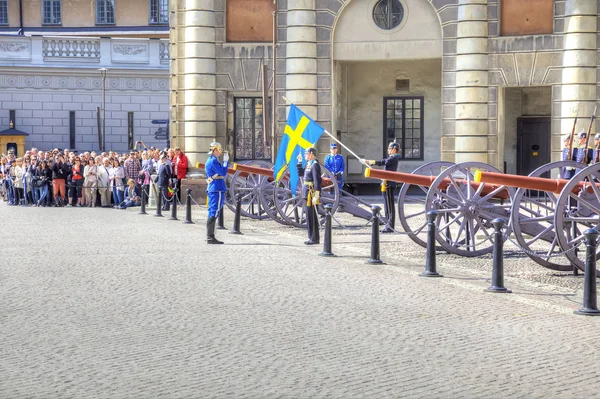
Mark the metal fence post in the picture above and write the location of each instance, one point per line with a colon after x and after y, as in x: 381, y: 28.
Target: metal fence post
x: 375, y: 236
x: 430, y: 260
x: 159, y: 202
x: 143, y: 204
x: 498, y: 265
x: 174, y: 208
x: 590, y: 296
x: 238, y: 215
x: 327, y: 241
x: 188, y: 207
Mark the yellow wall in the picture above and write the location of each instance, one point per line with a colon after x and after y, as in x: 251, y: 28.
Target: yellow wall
x: 80, y: 13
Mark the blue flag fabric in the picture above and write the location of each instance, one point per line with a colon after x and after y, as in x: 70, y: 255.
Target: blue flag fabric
x: 300, y: 133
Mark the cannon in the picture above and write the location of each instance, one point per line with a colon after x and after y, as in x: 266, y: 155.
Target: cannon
x: 465, y: 208
x: 549, y: 216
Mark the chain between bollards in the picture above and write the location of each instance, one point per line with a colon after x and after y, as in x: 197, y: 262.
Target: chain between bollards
x: 375, y: 236
x: 430, y: 260
x: 590, y: 296
x: 238, y: 215
x: 159, y: 203
x: 143, y: 204
x: 498, y: 266
x: 327, y: 242
x: 188, y: 207
x: 174, y: 208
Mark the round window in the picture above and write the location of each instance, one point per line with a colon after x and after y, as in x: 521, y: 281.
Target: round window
x: 388, y: 14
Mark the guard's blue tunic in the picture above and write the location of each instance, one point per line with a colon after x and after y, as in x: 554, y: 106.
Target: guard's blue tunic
x: 335, y: 164
x: 215, y: 174
x: 567, y: 173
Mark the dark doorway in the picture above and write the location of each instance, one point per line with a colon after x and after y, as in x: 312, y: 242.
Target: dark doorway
x: 533, y: 143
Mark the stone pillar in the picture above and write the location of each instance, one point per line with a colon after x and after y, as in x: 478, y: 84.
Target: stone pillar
x: 196, y: 80
x: 176, y: 141
x: 301, y: 60
x: 471, y: 112
x: 578, y: 90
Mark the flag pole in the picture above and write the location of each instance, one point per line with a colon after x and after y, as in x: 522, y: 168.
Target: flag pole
x: 338, y: 141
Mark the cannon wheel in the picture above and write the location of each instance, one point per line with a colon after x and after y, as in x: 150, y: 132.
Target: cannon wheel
x: 293, y: 210
x: 267, y: 198
x: 249, y: 188
x: 465, y: 212
x: 532, y: 220
x: 411, y: 209
x: 579, y: 212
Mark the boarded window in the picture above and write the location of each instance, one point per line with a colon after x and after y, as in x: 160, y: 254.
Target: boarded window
x: 249, y: 21
x: 531, y: 17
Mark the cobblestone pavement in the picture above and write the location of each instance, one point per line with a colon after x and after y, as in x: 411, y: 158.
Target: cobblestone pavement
x: 145, y: 309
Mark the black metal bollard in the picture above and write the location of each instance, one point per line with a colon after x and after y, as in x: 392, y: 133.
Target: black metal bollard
x: 375, y: 236
x: 174, y: 208
x: 143, y: 204
x: 238, y: 215
x: 430, y: 261
x: 498, y: 266
x: 159, y: 203
x: 590, y: 296
x: 220, y: 225
x: 327, y: 242
x: 188, y: 207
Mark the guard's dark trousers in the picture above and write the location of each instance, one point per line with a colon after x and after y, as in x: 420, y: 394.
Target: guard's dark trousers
x: 390, y: 209
x: 210, y: 231
x: 312, y: 225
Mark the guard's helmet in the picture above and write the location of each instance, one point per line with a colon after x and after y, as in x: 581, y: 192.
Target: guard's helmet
x: 582, y: 134
x: 215, y: 145
x: 333, y: 145
x: 312, y: 150
x: 597, y: 137
x: 394, y: 145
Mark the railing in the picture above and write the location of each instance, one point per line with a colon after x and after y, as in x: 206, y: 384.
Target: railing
x: 40, y: 50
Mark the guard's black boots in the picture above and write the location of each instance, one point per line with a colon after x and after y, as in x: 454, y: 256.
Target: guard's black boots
x: 210, y: 231
x: 387, y: 229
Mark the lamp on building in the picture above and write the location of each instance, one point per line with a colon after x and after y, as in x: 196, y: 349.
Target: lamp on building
x: 103, y: 72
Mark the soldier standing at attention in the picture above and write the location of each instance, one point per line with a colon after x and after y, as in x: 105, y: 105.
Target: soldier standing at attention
x: 311, y: 192
x: 334, y: 162
x: 565, y: 172
x: 387, y: 188
x: 215, y: 177
x: 582, y: 155
x: 596, y: 150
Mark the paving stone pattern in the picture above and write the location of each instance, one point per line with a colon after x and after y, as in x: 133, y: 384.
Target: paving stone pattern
x: 145, y: 309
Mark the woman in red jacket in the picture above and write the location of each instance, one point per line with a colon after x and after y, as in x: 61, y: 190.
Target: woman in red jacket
x: 180, y: 167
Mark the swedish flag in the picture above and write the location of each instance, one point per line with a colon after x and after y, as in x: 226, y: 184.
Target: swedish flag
x: 300, y: 133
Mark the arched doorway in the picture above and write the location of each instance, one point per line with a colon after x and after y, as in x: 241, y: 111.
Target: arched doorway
x: 387, y: 80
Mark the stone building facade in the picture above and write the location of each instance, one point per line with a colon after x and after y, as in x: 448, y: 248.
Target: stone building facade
x: 495, y: 81
x: 51, y: 85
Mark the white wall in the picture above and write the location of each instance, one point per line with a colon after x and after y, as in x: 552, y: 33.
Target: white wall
x: 360, y: 90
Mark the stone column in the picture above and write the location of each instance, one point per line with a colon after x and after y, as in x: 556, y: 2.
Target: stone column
x: 196, y: 81
x: 471, y: 112
x: 301, y: 60
x: 173, y: 131
x: 578, y: 90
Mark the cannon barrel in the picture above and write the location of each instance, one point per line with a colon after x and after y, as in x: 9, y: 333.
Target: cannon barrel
x: 427, y: 181
x: 524, y: 182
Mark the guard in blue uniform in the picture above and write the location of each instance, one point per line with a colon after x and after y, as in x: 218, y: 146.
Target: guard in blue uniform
x: 388, y: 187
x: 215, y: 177
x: 334, y: 162
x: 596, y: 150
x: 567, y: 173
x: 311, y: 192
x: 582, y: 155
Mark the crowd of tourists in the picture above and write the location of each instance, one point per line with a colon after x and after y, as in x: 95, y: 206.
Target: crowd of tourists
x: 90, y: 179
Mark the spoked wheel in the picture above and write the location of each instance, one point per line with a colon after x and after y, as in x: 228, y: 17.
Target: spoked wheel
x: 579, y: 205
x: 248, y: 186
x: 293, y: 209
x: 466, y: 209
x: 411, y: 203
x: 532, y: 220
x: 267, y: 199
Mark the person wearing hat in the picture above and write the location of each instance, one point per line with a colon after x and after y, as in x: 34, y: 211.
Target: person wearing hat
x: 567, y: 172
x: 215, y: 177
x: 334, y: 162
x: 581, y: 154
x: 311, y: 192
x: 595, y: 158
x: 387, y: 187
